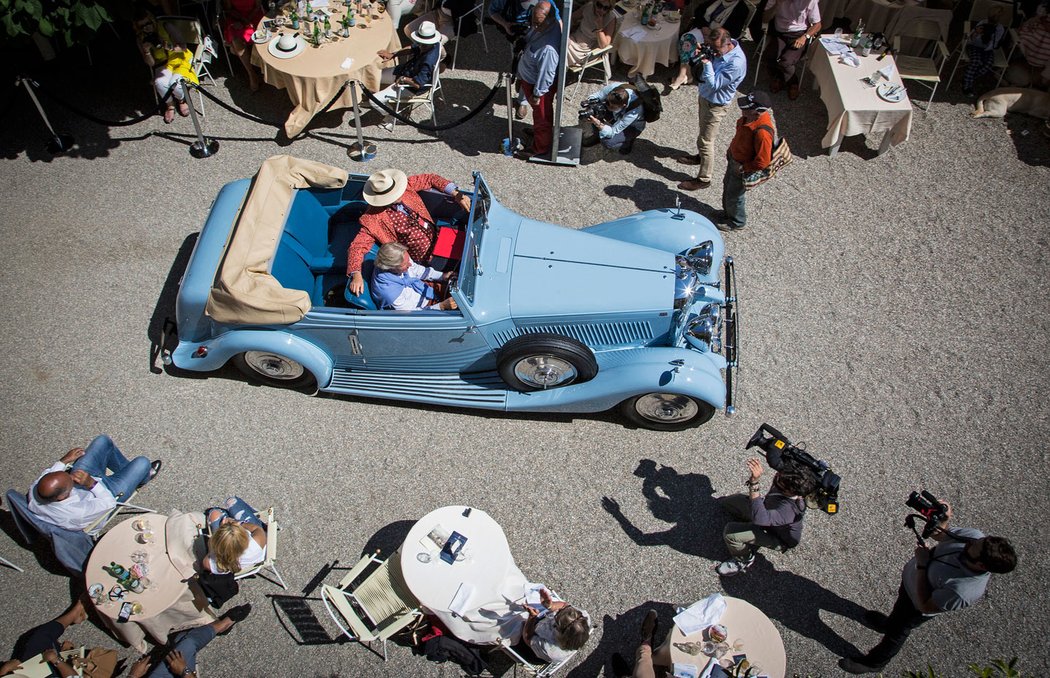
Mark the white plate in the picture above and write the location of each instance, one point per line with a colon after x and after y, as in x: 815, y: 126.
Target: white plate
x: 897, y: 97
x: 260, y: 40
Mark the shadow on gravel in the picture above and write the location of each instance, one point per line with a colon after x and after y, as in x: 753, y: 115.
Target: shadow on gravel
x: 795, y: 602
x: 1030, y: 138
x: 648, y: 194
x: 40, y: 548
x: 622, y: 634
x: 165, y: 307
x: 684, y: 499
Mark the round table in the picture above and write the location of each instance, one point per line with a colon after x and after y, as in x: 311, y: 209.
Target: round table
x: 168, y: 603
x: 878, y: 15
x: 642, y: 47
x: 313, y: 76
x: 746, y: 624
x: 488, y: 568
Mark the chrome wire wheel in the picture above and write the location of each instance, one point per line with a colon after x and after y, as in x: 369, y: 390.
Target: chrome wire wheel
x: 273, y: 366
x: 666, y: 408
x: 545, y: 371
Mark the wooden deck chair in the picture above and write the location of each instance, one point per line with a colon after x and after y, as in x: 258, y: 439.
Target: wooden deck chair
x: 407, y: 102
x: 599, y: 56
x: 270, y: 562
x: 534, y: 666
x: 378, y: 607
x: 8, y: 563
x: 100, y: 523
x: 189, y: 30
x: 980, y: 10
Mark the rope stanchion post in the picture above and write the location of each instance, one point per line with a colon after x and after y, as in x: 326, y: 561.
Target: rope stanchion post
x: 60, y: 142
x: 510, y: 144
x: 203, y: 147
x: 359, y: 150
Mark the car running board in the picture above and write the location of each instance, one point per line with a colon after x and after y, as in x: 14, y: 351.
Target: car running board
x: 480, y: 389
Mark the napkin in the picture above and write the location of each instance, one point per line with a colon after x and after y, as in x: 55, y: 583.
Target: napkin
x: 887, y: 71
x: 850, y: 60
x: 701, y: 614
x: 834, y: 46
x: 634, y: 33
x: 347, y: 63
x: 460, y: 601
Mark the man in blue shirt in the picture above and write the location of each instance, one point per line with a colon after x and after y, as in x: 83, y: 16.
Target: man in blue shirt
x: 537, y: 73
x: 411, y: 76
x: 626, y: 120
x: 718, y: 79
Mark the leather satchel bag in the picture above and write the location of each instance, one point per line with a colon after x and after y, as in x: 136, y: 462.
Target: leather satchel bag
x: 100, y: 663
x: 781, y: 156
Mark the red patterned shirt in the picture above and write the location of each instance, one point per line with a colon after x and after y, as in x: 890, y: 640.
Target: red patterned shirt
x: 394, y: 223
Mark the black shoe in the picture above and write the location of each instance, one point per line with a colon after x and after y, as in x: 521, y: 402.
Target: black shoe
x: 728, y: 227
x: 626, y: 147
x: 620, y: 667
x: 154, y: 468
x: 855, y: 665
x: 649, y: 626
x: 239, y: 613
x: 876, y: 621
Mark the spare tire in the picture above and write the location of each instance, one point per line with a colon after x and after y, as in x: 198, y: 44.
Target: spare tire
x: 534, y: 362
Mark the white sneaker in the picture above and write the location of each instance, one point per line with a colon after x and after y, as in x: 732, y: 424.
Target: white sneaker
x: 733, y: 566
x: 387, y: 124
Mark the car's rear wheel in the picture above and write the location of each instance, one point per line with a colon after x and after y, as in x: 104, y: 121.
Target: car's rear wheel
x: 666, y: 411
x: 273, y: 369
x: 533, y: 362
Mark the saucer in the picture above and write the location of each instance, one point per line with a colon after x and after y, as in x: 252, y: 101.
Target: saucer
x: 260, y: 39
x: 274, y: 50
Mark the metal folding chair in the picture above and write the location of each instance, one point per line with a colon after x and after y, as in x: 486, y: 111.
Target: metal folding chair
x: 270, y: 562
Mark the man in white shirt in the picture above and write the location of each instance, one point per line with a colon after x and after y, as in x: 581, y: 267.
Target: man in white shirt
x: 73, y: 499
x: 401, y: 284
x: 795, y: 23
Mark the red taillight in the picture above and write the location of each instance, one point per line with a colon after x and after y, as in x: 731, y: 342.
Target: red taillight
x: 201, y: 351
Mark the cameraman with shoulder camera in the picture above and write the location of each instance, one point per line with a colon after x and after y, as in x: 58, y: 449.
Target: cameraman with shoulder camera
x: 619, y: 118
x: 773, y: 520
x: 951, y: 576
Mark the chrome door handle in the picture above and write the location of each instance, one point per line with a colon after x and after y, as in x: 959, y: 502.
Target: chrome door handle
x: 355, y: 343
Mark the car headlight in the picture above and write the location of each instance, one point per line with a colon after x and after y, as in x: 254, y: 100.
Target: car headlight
x: 686, y: 284
x: 704, y: 332
x: 701, y: 257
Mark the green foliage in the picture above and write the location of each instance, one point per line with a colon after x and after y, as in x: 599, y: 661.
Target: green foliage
x: 1000, y: 668
x: 67, y: 22
x: 929, y: 673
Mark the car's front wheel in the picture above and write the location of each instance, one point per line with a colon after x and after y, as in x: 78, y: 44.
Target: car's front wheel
x: 666, y: 411
x: 533, y: 362
x: 273, y: 369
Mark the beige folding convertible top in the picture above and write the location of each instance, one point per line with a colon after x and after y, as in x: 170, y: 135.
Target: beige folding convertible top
x: 244, y: 292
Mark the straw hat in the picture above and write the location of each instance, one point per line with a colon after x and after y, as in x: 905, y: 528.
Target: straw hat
x: 385, y: 187
x: 426, y: 34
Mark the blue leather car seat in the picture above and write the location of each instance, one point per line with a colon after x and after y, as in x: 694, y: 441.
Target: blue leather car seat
x: 364, y: 300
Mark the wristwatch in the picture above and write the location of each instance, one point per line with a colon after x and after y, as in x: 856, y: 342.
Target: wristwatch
x: 188, y: 672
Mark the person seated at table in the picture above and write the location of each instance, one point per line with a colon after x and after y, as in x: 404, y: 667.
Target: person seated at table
x: 626, y: 121
x: 554, y: 633
x: 164, y: 51
x: 73, y: 499
x: 446, y: 17
x: 984, y: 39
x: 594, y: 26
x: 643, y: 656
x: 397, y: 213
x: 181, y: 660
x: 1035, y: 44
x: 795, y: 23
x: 408, y: 78
x: 401, y: 284
x: 238, y: 538
x: 240, y: 20
x: 727, y: 14
x: 43, y: 640
x: 512, y: 17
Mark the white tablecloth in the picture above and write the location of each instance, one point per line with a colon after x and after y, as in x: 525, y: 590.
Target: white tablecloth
x: 642, y: 48
x: 853, y: 107
x: 746, y: 624
x: 487, y: 568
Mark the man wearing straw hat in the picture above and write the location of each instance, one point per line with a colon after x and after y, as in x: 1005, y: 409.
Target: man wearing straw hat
x: 410, y: 77
x: 397, y: 213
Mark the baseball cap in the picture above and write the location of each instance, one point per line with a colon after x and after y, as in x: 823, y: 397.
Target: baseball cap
x: 757, y: 100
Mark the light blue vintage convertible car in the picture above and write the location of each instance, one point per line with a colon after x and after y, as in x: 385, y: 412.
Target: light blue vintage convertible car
x: 630, y: 313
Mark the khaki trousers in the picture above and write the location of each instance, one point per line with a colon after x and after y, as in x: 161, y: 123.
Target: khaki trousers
x: 742, y: 539
x: 710, y: 117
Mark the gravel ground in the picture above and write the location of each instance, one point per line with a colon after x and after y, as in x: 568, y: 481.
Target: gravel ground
x: 895, y: 314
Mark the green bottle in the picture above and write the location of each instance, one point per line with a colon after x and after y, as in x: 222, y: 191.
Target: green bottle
x: 327, y: 26
x: 317, y: 34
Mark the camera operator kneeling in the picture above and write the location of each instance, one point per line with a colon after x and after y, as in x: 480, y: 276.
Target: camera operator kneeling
x: 622, y: 119
x: 774, y: 521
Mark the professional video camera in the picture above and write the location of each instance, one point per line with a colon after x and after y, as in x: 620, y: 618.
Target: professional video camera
x: 930, y: 509
x: 826, y: 495
x: 696, y: 61
x: 597, y: 108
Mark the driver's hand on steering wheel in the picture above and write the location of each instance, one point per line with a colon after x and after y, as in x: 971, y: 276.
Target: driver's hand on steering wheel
x: 357, y: 284
x: 463, y: 200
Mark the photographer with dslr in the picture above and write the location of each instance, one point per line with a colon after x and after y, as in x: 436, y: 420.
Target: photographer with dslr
x: 951, y: 576
x: 616, y: 113
x: 773, y: 520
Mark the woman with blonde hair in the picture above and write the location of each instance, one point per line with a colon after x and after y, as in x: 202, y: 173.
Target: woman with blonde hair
x: 238, y: 538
